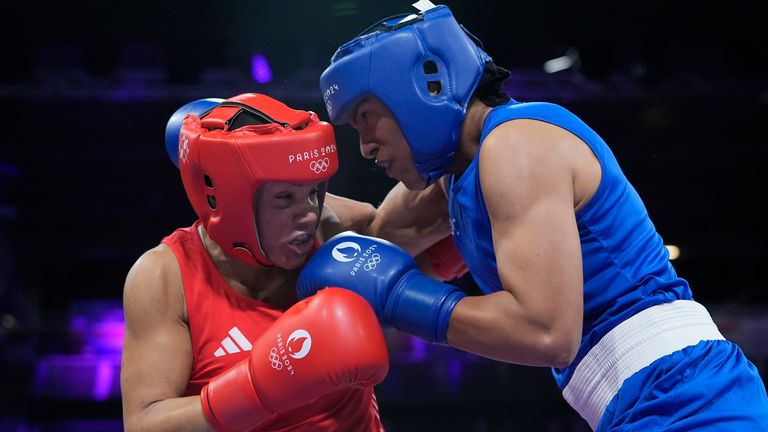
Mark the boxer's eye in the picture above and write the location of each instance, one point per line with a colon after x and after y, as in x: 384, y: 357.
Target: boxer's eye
x: 362, y: 116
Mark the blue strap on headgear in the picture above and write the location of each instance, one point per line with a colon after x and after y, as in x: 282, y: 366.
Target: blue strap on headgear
x: 424, y: 68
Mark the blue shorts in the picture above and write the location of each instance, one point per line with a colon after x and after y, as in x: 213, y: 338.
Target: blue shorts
x: 710, y: 386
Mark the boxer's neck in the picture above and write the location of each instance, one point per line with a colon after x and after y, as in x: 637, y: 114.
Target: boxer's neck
x: 272, y: 285
x: 469, y: 138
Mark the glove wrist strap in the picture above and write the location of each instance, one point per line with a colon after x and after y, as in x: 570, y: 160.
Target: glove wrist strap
x: 422, y: 307
x: 230, y: 402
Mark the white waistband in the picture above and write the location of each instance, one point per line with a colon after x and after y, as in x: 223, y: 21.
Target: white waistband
x: 632, y: 345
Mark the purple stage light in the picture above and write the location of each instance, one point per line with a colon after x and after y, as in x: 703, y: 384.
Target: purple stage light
x: 90, y: 370
x: 260, y: 70
x: 455, y: 372
x: 98, y: 326
x: 78, y: 376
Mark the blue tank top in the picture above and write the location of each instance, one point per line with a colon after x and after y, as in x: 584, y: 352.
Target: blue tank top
x: 626, y: 266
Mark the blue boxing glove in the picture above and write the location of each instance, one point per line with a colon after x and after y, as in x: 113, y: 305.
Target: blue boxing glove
x: 387, y: 277
x: 173, y: 127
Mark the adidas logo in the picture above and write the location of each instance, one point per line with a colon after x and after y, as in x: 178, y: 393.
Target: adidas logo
x: 234, y: 343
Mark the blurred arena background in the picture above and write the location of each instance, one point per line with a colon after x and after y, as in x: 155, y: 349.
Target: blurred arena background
x: 678, y: 89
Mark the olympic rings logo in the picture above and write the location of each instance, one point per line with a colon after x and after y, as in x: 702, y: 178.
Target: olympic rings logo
x: 184, y: 148
x: 320, y: 165
x: 372, y: 262
x: 274, y: 359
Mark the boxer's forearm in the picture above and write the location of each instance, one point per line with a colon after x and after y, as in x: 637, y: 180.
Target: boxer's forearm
x: 414, y: 220
x: 173, y: 414
x: 344, y: 214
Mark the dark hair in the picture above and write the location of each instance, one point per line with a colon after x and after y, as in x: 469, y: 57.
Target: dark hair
x: 489, y: 90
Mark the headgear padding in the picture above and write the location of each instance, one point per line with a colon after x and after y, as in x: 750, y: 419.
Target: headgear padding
x: 243, y: 142
x: 424, y: 68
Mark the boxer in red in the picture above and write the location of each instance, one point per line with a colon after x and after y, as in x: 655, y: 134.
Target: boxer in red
x: 215, y: 338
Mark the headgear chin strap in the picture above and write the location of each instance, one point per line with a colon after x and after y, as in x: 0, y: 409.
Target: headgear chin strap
x: 232, y: 149
x: 424, y: 68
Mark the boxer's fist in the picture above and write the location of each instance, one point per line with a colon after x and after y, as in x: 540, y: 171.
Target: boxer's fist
x: 322, y: 344
x: 387, y: 277
x: 368, y: 266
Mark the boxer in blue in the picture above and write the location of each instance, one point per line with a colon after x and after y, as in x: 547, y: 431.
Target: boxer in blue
x: 573, y: 273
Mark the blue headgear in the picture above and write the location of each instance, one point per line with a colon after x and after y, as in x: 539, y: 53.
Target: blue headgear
x: 423, y: 67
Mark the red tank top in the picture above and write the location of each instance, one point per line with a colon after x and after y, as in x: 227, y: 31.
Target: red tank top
x: 222, y: 322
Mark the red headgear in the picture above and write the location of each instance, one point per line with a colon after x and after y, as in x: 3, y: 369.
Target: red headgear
x: 226, y: 155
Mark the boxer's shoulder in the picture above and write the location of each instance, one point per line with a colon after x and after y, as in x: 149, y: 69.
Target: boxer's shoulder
x: 158, y: 264
x: 154, y: 284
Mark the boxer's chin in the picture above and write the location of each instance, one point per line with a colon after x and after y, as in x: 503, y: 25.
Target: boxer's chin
x: 412, y: 180
x: 291, y: 263
x: 416, y: 183
x: 292, y: 256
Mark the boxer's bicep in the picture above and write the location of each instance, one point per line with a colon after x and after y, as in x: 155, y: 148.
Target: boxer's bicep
x: 527, y: 182
x: 157, y: 351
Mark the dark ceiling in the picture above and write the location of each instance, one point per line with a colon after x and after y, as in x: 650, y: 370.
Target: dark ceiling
x: 661, y: 36
x: 677, y: 88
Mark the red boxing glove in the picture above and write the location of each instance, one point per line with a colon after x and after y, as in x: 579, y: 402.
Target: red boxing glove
x: 447, y: 263
x: 323, y: 343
